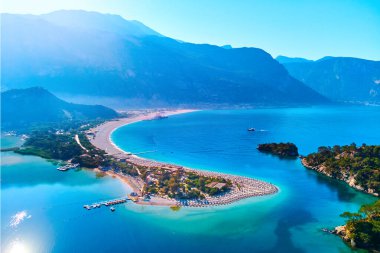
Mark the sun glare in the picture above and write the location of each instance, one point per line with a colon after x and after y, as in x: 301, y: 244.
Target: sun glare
x: 18, y: 247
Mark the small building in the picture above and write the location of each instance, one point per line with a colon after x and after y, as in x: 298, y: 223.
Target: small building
x: 133, y: 196
x: 216, y: 185
x: 211, y: 185
x: 219, y: 185
x: 151, y: 179
x: 170, y: 169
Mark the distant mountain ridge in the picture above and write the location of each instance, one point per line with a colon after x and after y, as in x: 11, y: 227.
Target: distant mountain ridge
x: 24, y: 107
x: 284, y: 59
x: 342, y: 79
x: 101, y: 22
x: 92, y: 54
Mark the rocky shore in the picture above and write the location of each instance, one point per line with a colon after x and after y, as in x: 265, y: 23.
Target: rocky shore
x: 350, y: 180
x: 342, y: 233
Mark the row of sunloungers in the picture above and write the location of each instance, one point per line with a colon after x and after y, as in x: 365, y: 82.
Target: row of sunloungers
x: 248, y: 187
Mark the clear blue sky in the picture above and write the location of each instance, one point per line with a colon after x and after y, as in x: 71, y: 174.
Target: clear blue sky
x: 303, y: 28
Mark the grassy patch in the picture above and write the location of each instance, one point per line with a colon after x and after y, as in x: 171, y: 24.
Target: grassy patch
x: 175, y: 208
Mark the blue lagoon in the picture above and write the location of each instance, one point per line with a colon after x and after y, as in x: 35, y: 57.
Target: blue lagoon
x: 42, y: 207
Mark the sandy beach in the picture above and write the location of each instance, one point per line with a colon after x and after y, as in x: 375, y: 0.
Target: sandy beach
x: 243, y: 187
x: 104, y: 131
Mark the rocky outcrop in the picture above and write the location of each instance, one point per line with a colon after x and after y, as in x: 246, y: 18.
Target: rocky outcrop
x: 349, y: 179
x: 279, y: 149
x: 343, y: 233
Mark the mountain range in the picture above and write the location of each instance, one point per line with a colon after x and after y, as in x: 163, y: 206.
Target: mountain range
x: 342, y: 79
x: 105, y: 56
x: 24, y: 107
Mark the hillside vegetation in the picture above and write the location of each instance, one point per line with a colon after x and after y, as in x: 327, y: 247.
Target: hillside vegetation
x: 358, y: 166
x: 279, y: 149
x: 362, y: 229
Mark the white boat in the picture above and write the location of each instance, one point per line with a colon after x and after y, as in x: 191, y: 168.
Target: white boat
x: 63, y: 168
x: 74, y: 165
x: 160, y: 116
x: 68, y: 166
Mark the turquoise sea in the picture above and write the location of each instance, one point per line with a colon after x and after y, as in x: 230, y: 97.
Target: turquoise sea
x: 41, y: 208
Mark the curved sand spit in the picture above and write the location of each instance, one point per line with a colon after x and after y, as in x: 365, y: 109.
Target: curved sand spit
x: 243, y: 187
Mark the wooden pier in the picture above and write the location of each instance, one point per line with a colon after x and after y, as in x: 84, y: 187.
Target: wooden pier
x: 106, y: 203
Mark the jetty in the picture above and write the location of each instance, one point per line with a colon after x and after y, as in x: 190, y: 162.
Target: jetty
x: 106, y: 203
x: 9, y: 149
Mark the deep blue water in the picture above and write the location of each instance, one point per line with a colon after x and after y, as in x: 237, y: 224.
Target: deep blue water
x: 289, y: 221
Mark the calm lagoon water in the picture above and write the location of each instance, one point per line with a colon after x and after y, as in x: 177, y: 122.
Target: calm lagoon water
x: 49, y: 203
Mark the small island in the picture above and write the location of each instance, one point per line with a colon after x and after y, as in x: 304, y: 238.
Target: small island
x: 357, y: 166
x: 280, y: 149
x: 362, y: 229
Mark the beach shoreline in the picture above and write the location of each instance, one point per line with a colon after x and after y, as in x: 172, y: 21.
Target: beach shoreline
x: 104, y: 131
x: 243, y: 187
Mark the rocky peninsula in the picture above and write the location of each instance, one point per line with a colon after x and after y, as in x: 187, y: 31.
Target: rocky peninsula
x: 359, y: 166
x: 362, y: 228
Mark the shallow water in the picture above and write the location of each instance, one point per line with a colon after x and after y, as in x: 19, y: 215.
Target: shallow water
x: 10, y: 141
x: 42, y: 207
x: 218, y: 140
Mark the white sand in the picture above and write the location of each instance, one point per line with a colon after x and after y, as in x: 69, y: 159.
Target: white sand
x: 243, y: 187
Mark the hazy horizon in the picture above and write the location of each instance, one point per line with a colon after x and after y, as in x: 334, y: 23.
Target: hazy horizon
x: 310, y: 30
